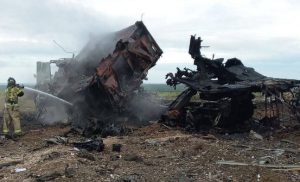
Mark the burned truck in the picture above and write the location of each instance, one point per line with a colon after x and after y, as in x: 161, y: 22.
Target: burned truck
x: 224, y: 92
x: 103, y: 82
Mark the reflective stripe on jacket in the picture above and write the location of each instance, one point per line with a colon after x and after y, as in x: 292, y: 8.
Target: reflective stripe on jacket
x: 11, y: 95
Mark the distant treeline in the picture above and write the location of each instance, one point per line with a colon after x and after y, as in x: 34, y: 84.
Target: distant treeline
x: 162, y: 88
x: 147, y: 87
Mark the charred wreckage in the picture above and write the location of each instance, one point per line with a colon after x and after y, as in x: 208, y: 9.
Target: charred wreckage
x: 104, y: 81
x: 226, y: 92
x: 104, y: 84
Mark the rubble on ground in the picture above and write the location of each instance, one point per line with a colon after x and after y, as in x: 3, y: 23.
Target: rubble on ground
x: 154, y: 153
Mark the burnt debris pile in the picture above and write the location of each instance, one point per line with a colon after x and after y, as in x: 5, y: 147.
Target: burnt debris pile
x: 225, y: 90
x: 103, y: 86
x: 103, y: 82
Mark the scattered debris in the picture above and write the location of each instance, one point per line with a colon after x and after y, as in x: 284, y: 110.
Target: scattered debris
x: 51, y: 156
x: 130, y: 178
x: 279, y: 166
x: 289, y: 169
x: 133, y: 157
x: 75, y: 149
x: 174, y: 155
x: 90, y: 144
x: 209, y: 137
x: 58, y: 140
x: 290, y: 142
x: 154, y: 142
x: 115, y: 157
x: 116, y: 147
x: 164, y: 140
x: 166, y: 126
x: 265, y: 160
x: 48, y: 177
x: 17, y: 170
x: 69, y: 171
x: 2, y: 137
x: 85, y: 154
x: 10, y: 163
x: 276, y: 151
x: 255, y: 135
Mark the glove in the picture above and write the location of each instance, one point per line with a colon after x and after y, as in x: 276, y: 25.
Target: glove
x: 20, y: 86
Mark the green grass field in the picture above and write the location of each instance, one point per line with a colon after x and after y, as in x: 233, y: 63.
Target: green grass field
x: 162, y: 88
x: 164, y: 91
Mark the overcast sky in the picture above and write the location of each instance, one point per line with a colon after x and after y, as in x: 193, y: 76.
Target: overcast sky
x: 264, y: 34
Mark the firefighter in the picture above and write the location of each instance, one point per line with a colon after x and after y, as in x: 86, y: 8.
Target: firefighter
x: 11, y: 113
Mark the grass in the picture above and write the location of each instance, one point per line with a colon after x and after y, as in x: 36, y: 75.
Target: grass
x: 164, y: 91
x: 163, y: 88
x: 168, y: 95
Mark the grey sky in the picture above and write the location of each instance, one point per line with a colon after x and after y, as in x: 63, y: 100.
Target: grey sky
x: 264, y: 34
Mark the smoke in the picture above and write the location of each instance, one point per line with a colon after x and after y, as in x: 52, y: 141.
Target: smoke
x: 26, y: 36
x: 125, y: 104
x: 146, y: 107
x: 54, y: 114
x: 96, y: 105
x: 94, y: 51
x: 50, y: 109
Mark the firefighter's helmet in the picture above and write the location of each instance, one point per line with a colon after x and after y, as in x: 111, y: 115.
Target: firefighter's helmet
x: 11, y: 81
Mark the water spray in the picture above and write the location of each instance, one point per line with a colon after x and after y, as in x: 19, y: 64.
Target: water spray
x: 48, y: 95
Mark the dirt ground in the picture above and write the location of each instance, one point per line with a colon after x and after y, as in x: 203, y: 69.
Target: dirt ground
x: 155, y: 153
x: 152, y: 153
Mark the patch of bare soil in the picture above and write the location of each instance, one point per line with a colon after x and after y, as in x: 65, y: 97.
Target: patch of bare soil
x: 154, y: 153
